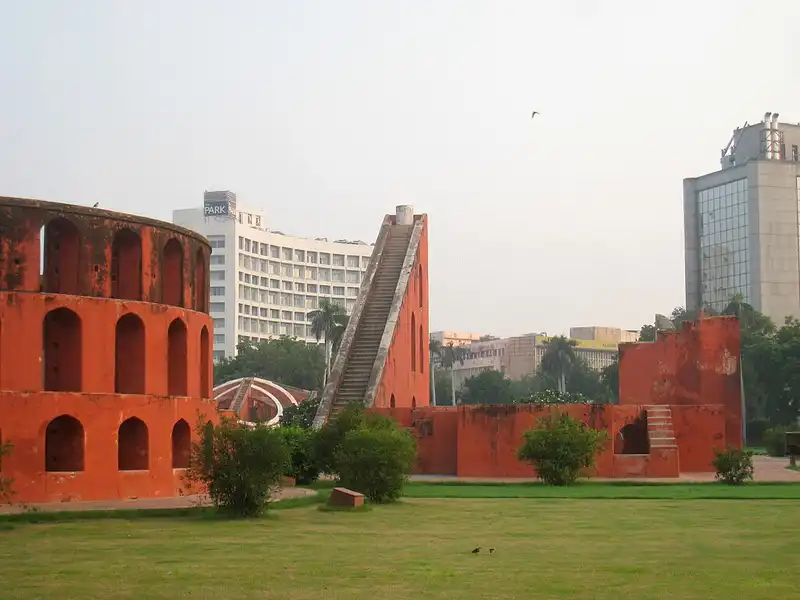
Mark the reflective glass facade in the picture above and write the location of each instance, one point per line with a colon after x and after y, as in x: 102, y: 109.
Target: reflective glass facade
x: 724, y: 249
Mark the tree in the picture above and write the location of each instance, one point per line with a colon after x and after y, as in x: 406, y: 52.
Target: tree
x: 302, y: 414
x: 434, y: 358
x: 450, y: 355
x: 328, y: 322
x: 609, y: 377
x: 284, y: 360
x: 647, y: 333
x: 559, y: 358
x: 442, y: 389
x: 488, y: 387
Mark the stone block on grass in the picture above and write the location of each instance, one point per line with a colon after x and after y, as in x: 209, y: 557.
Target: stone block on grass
x: 345, y: 498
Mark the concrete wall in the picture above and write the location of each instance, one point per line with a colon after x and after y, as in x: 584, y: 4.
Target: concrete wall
x: 406, y: 376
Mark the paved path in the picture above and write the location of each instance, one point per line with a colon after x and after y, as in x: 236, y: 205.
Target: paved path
x: 139, y: 504
x: 767, y: 469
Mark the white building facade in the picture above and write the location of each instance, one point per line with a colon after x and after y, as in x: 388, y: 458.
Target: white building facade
x: 264, y: 283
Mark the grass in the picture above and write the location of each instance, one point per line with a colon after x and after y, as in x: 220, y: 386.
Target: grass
x: 420, y: 548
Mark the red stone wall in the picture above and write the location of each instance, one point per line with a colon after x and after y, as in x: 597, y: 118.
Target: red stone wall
x: 698, y: 431
x: 406, y: 376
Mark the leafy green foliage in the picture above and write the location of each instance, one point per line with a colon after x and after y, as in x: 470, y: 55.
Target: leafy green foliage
x: 488, y: 387
x: 609, y: 377
x: 376, y: 460
x: 329, y: 323
x: 560, y: 448
x: 330, y: 436
x: 301, y: 443
x: 556, y: 397
x: 239, y: 465
x: 444, y: 388
x: 285, y: 360
x: 755, y: 431
x: 734, y: 466
x: 775, y: 441
x: 301, y: 415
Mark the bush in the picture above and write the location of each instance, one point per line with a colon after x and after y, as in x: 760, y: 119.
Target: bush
x: 375, y: 459
x: 733, y: 465
x: 239, y: 466
x: 560, y: 447
x: 301, y: 415
x: 755, y: 431
x: 775, y: 441
x: 303, y: 464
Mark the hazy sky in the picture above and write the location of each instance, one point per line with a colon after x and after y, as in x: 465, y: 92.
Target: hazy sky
x: 330, y: 113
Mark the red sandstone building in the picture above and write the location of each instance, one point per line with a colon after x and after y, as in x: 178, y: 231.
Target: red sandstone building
x: 105, y: 351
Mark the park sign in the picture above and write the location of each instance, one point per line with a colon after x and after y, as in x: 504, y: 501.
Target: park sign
x: 219, y: 204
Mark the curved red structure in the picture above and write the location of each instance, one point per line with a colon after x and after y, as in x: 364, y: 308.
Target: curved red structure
x: 105, y: 351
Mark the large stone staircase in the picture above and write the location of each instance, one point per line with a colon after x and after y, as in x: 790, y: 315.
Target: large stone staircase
x: 241, y: 395
x: 372, y: 322
x: 659, y: 427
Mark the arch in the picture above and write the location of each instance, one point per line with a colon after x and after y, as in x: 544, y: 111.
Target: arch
x: 421, y: 353
x: 172, y: 273
x: 419, y: 284
x: 392, y: 402
x: 413, y: 402
x: 129, y: 355
x: 126, y: 265
x: 413, y: 342
x: 133, y: 452
x: 201, y: 289
x: 181, y: 444
x: 205, y: 365
x: 176, y: 359
x: 633, y: 438
x: 61, y: 351
x: 62, y: 246
x: 63, y: 445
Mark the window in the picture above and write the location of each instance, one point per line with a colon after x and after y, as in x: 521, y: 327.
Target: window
x: 325, y: 290
x: 311, y: 257
x: 263, y: 249
x: 273, y: 298
x: 311, y: 273
x: 350, y: 305
x: 352, y: 292
x: 264, y: 282
x: 181, y: 444
x: 217, y: 259
x: 299, y: 256
x: 353, y: 262
x: 217, y: 275
x: 795, y: 155
x: 311, y: 288
x: 132, y: 445
x: 324, y: 274
x: 287, y: 285
x: 247, y: 244
x: 275, y: 251
x: 219, y: 355
x: 298, y: 316
x: 275, y: 268
x: 61, y: 351
x: 299, y: 287
x: 218, y: 306
x: 288, y: 271
x: 249, y: 219
x: 274, y: 328
x: 311, y: 302
x: 275, y: 284
x: 338, y: 290
x: 286, y: 315
x: 217, y: 291
x: 219, y: 323
x: 353, y: 277
x: 338, y: 260
x: 129, y: 361
x: 337, y: 275
x: 274, y: 313
x: 217, y: 241
x: 241, y: 239
x: 286, y: 253
x: 299, y: 300
x: 262, y: 265
x: 298, y: 272
x: 63, y: 445
x: 324, y: 258
x: 286, y: 299
x: 300, y: 331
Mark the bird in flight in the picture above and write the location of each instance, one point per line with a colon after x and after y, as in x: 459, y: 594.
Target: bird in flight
x: 536, y: 112
x: 96, y: 204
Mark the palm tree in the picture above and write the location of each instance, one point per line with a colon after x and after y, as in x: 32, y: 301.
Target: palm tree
x: 450, y: 355
x: 558, y: 359
x: 329, y: 322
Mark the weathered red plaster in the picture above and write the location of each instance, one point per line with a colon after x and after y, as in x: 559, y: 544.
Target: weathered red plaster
x: 90, y: 352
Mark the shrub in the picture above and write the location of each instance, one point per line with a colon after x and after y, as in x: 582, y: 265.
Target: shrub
x: 375, y: 459
x: 733, y: 465
x: 560, y: 447
x: 755, y: 431
x: 775, y: 441
x: 303, y: 464
x: 301, y: 415
x: 239, y: 466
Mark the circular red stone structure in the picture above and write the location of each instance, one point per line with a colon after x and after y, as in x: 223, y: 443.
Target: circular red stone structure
x: 105, y: 351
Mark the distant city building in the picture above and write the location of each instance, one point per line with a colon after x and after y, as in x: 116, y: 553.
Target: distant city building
x: 264, y: 283
x: 741, y: 223
x: 517, y: 357
x: 457, y: 338
x: 604, y: 334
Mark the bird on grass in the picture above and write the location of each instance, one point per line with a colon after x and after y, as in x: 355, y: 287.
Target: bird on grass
x: 491, y: 550
x: 536, y: 112
x: 476, y: 550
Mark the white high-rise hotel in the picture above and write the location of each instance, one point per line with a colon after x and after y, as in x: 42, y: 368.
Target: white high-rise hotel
x: 264, y: 283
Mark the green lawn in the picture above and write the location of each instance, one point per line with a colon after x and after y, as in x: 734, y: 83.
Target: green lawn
x: 546, y: 548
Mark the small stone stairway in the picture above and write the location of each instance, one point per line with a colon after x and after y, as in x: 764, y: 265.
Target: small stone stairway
x: 659, y: 427
x: 241, y: 395
x: 372, y: 323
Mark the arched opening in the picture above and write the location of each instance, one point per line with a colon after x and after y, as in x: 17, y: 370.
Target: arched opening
x: 61, y: 351
x: 126, y: 265
x: 413, y: 402
x: 132, y: 446
x: 63, y: 445
x: 200, y: 285
x: 391, y: 402
x: 176, y: 359
x: 413, y: 343
x: 181, y: 444
x: 61, y: 257
x: 421, y: 353
x: 633, y: 438
x: 172, y: 273
x: 205, y: 364
x: 419, y: 284
x: 129, y: 355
